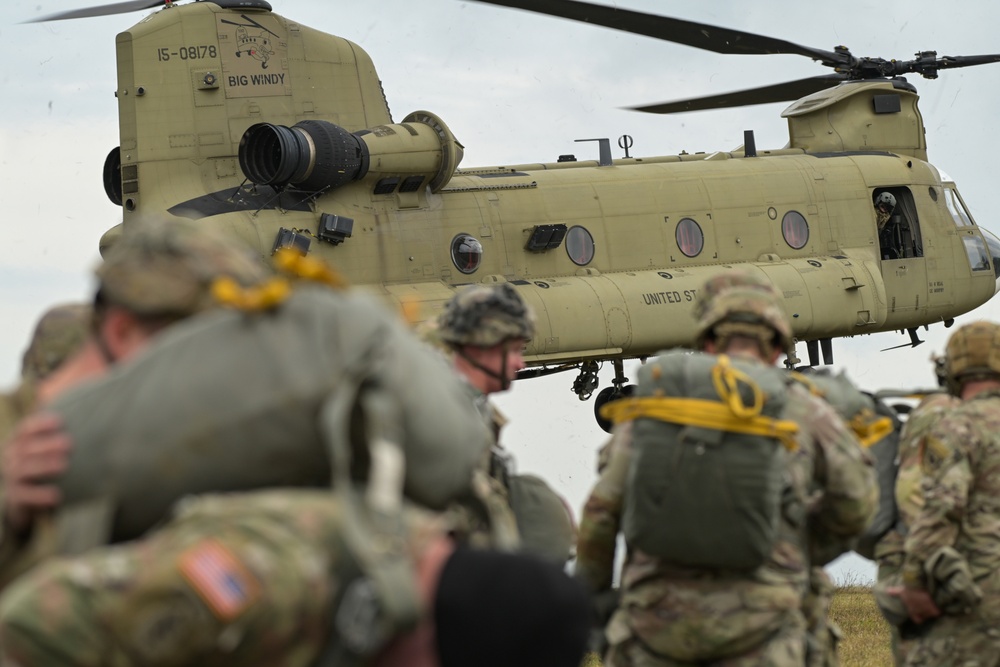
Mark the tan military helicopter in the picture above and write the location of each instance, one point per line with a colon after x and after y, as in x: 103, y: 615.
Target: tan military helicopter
x: 281, y: 134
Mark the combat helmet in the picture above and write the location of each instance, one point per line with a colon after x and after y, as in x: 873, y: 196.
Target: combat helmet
x: 973, y: 352
x: 744, y: 303
x: 166, y: 269
x: 484, y: 316
x: 59, y: 333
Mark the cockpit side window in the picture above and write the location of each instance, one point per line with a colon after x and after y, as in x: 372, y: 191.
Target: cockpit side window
x: 898, y: 224
x: 957, y: 208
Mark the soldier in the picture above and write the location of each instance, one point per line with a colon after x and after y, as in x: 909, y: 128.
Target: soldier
x: 951, y: 561
x: 485, y: 329
x: 59, y: 334
x: 154, y: 276
x: 908, y: 499
x: 885, y: 204
x: 267, y: 393
x: 271, y: 579
x: 680, y: 615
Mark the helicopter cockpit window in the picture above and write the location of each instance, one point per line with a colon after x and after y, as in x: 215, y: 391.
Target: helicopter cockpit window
x: 957, y: 208
x: 579, y: 245
x: 895, y: 215
x: 795, y: 229
x: 466, y: 253
x: 979, y: 256
x: 690, y: 238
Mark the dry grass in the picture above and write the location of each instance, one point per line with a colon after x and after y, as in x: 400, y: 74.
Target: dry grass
x: 866, y: 641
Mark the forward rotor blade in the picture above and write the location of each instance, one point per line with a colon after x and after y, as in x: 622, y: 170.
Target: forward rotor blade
x: 102, y: 10
x: 698, y: 35
x: 947, y: 62
x: 780, y: 92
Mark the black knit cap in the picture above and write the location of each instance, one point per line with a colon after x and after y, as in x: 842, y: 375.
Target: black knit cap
x: 496, y: 609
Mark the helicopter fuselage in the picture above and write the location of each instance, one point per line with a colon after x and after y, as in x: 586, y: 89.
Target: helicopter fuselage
x: 609, y: 253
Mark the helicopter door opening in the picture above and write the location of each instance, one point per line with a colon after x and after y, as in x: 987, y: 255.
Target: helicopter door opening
x: 899, y: 228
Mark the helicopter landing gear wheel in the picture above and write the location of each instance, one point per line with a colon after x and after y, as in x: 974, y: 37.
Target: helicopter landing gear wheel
x: 604, y: 397
x: 618, y: 389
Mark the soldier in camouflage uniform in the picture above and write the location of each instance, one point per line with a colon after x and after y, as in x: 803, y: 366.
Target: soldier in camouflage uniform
x: 59, y: 334
x: 671, y: 616
x: 155, y: 275
x: 951, y: 560
x: 909, y: 498
x: 269, y: 579
x: 484, y: 330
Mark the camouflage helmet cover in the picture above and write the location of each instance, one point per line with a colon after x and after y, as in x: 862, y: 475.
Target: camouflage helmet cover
x: 741, y: 297
x: 972, y: 351
x: 484, y: 316
x: 167, y: 268
x: 59, y: 333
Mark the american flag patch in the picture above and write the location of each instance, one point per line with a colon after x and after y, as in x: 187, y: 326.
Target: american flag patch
x: 219, y: 578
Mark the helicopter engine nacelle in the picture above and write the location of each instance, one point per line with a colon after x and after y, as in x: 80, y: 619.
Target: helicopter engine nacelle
x: 316, y: 155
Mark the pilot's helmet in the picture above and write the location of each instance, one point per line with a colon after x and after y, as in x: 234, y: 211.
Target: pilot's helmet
x: 59, y: 333
x: 739, y: 302
x: 484, y: 316
x: 167, y: 268
x: 887, y: 200
x: 973, y: 352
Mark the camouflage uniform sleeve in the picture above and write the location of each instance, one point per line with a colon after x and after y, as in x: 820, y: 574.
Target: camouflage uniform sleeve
x: 601, y: 518
x: 946, y: 480
x: 844, y: 471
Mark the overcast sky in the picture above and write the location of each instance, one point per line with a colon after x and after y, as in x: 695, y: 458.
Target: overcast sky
x: 514, y: 87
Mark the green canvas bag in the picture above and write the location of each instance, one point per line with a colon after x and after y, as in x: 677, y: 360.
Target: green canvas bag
x: 233, y: 401
x: 705, y: 482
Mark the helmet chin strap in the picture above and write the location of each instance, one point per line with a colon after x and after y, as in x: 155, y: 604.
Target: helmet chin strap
x: 505, y: 381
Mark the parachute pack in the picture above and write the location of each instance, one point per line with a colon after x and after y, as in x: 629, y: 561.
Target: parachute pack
x: 877, y: 428
x: 232, y: 400
x: 707, y: 472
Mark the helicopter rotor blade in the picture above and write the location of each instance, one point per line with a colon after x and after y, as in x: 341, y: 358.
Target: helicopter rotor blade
x: 780, y: 92
x: 689, y: 33
x: 928, y: 67
x: 102, y: 10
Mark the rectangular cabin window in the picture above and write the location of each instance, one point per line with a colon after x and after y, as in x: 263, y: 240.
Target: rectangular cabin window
x: 957, y: 209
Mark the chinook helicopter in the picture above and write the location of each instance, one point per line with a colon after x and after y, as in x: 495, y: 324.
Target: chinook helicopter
x: 280, y: 134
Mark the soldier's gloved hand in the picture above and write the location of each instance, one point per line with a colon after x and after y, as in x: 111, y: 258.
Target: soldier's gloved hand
x: 919, y: 603
x: 37, y: 452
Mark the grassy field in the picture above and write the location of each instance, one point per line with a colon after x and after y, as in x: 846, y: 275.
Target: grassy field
x: 866, y: 641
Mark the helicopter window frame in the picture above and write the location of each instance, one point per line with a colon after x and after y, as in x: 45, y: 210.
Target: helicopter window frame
x: 469, y: 265
x: 690, y: 237
x: 793, y: 227
x: 956, y: 207
x: 977, y: 252
x: 580, y: 246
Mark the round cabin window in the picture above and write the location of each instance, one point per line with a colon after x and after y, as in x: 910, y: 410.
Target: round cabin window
x: 795, y: 229
x: 579, y: 245
x: 690, y: 238
x: 466, y: 253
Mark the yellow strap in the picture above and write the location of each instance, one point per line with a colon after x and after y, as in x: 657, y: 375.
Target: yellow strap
x: 870, y: 429
x: 726, y: 380
x: 265, y: 296
x: 308, y: 268
x: 701, y: 413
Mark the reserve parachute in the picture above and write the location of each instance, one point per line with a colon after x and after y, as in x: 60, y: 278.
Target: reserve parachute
x: 705, y: 482
x: 233, y: 401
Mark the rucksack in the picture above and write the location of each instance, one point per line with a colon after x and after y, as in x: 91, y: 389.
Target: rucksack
x: 705, y: 482
x: 232, y: 401
x: 877, y: 427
